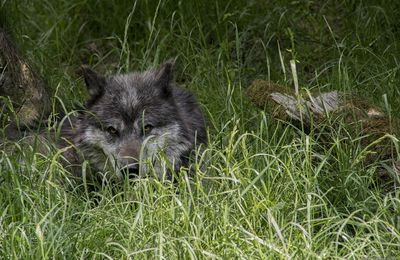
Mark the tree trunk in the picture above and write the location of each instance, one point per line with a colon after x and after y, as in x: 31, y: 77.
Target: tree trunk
x: 23, y: 95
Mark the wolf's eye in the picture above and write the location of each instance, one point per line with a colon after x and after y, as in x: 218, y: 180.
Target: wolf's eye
x: 112, y: 131
x: 147, y: 128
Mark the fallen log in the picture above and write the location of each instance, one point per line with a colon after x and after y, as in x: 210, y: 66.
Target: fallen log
x: 324, y: 114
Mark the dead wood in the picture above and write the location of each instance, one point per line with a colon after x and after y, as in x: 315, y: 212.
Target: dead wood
x: 325, y: 114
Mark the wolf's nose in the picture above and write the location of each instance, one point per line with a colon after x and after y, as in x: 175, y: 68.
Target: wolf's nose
x: 133, y: 171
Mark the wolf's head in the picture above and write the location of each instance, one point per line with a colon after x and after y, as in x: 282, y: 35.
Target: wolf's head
x: 130, y: 118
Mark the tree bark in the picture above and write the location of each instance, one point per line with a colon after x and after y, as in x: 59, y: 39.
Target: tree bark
x: 24, y: 98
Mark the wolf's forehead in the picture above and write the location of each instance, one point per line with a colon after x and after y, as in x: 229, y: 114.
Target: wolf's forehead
x: 129, y: 94
x: 127, y: 89
x: 134, y: 87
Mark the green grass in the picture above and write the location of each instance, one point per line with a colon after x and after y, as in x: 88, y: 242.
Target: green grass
x: 268, y: 191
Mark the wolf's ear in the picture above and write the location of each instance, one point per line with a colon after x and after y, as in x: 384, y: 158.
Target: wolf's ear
x: 164, y: 75
x: 95, y: 83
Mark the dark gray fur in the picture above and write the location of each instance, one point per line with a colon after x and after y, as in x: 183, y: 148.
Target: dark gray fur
x: 128, y: 104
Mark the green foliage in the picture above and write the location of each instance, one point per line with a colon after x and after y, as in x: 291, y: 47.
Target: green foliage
x: 268, y: 190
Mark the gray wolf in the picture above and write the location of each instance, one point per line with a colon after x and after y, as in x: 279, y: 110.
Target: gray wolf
x: 135, y: 123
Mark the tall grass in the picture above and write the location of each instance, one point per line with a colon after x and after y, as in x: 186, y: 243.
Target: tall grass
x: 268, y: 190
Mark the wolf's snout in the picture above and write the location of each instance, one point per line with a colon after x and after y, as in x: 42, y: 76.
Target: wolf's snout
x: 132, y: 171
x: 131, y: 149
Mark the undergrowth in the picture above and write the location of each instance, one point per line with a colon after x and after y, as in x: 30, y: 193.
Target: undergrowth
x: 268, y: 190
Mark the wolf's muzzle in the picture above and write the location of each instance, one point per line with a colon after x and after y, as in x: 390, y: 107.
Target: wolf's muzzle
x: 132, y: 171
